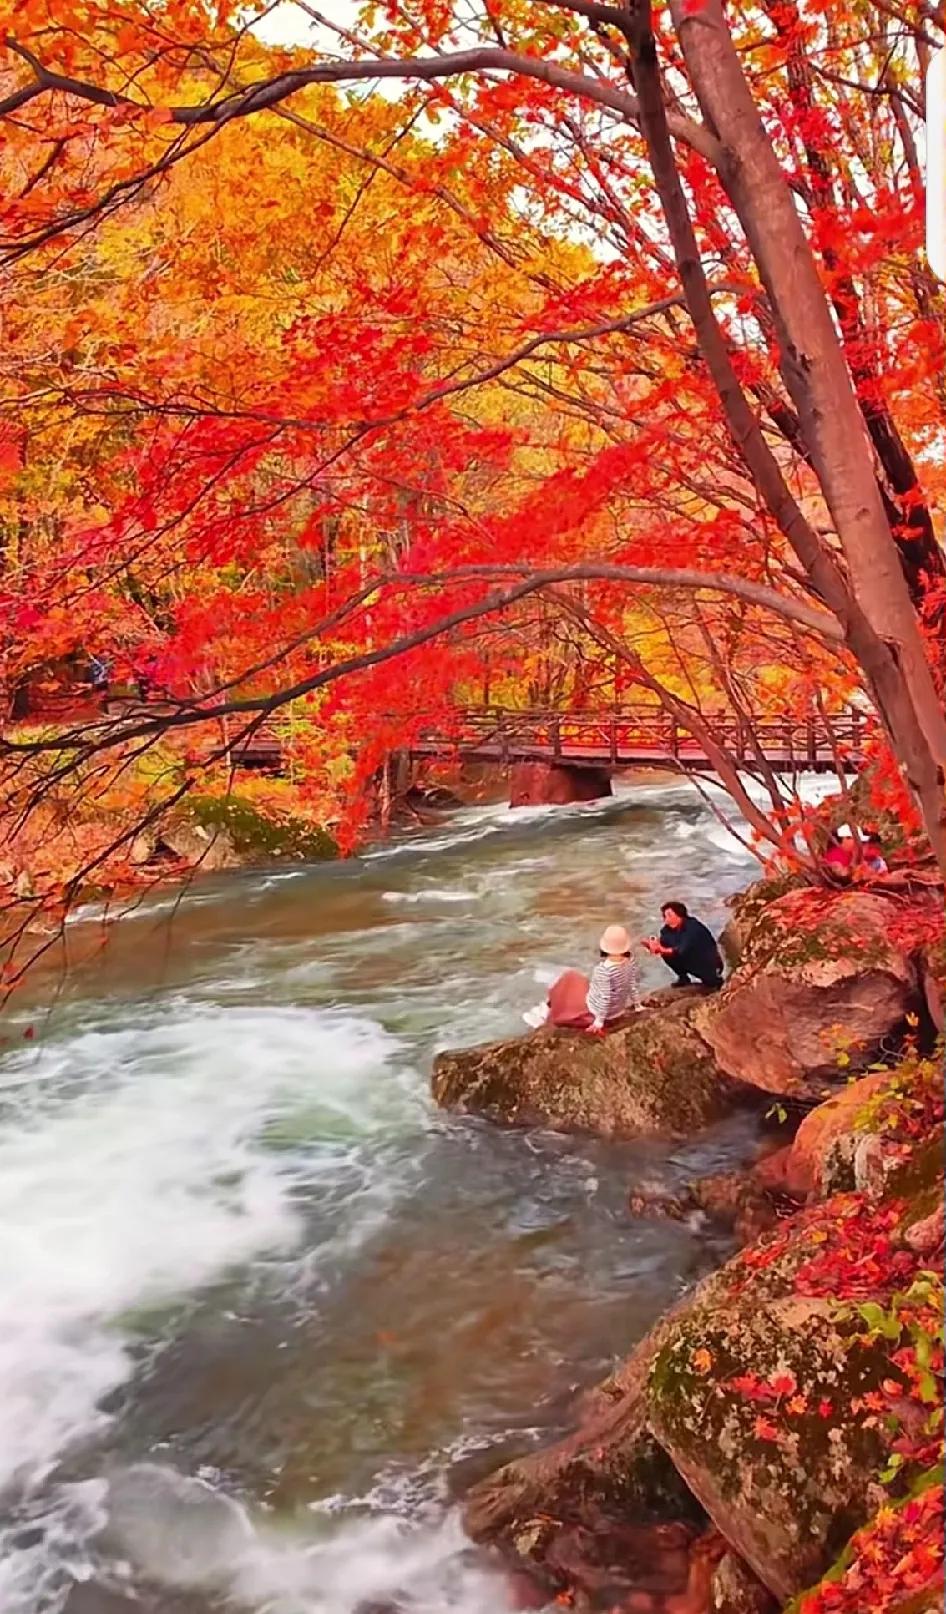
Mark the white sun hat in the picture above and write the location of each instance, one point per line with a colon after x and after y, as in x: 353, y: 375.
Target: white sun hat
x: 615, y: 940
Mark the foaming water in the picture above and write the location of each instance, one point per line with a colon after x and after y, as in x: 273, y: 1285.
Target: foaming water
x: 144, y: 1162
x: 253, y: 1282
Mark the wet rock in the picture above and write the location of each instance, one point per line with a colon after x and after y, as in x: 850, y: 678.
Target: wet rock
x: 736, y: 1590
x: 738, y: 1201
x: 543, y: 784
x: 734, y: 1199
x: 654, y: 1201
x: 775, y: 1174
x: 819, y: 976
x: 650, y: 1077
x: 608, y: 1470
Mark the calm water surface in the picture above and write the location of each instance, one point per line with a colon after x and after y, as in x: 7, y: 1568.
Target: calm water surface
x: 240, y: 1246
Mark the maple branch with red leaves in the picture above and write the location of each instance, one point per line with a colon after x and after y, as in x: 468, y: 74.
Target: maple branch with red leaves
x: 93, y: 738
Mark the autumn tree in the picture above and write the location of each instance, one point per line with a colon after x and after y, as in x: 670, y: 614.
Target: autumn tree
x: 686, y: 242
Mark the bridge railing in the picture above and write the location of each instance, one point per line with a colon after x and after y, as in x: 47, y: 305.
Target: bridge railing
x: 609, y: 735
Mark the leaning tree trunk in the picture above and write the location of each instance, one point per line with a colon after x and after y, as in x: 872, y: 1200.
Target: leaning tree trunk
x: 816, y: 375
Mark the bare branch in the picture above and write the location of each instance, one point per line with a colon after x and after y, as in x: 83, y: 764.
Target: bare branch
x: 271, y: 92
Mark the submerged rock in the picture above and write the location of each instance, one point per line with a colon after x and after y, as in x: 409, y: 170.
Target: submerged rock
x: 608, y: 1471
x: 652, y: 1076
x: 820, y: 978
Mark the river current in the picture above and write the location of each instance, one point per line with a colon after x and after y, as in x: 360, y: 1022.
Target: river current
x: 265, y: 1310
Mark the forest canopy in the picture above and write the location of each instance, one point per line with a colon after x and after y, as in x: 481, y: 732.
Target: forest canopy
x: 536, y: 351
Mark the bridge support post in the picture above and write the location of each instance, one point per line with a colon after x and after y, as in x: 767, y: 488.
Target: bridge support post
x: 547, y: 784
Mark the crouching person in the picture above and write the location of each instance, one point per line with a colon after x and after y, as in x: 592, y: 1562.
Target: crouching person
x: 687, y: 948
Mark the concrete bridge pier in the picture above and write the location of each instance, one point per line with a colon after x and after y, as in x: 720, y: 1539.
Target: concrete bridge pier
x: 547, y: 784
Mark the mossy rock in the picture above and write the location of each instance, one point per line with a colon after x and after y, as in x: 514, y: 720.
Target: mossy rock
x: 650, y: 1077
x: 257, y: 838
x: 786, y: 1488
x: 789, y: 1491
x: 748, y: 908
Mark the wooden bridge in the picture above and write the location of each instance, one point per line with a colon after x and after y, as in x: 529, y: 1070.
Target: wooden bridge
x: 623, y: 737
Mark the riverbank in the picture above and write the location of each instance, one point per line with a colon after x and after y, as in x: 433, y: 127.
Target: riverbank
x: 784, y: 1421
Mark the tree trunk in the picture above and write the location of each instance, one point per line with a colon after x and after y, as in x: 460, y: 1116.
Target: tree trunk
x: 879, y: 622
x: 818, y: 380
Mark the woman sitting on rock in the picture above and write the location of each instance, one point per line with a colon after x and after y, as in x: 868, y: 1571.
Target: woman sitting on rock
x: 589, y: 1005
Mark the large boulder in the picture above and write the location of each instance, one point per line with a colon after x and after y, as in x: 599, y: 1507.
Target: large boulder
x: 210, y: 849
x: 545, y: 784
x: 650, y: 1077
x: 830, y: 1137
x: 821, y: 985
x: 787, y: 1478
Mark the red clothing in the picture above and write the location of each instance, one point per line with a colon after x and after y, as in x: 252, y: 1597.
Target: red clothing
x: 840, y: 856
x: 568, y: 1001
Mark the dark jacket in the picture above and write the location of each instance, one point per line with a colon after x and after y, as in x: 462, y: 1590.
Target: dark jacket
x: 694, y: 947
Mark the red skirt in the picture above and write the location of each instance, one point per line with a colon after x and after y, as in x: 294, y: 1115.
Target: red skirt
x: 568, y: 1001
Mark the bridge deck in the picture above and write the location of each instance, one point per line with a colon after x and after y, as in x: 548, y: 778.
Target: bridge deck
x: 621, y: 737
x: 618, y: 739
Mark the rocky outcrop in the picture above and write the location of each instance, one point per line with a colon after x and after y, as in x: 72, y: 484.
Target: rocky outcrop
x: 785, y: 1490
x: 650, y: 1077
x: 820, y: 978
x: 747, y: 1393
x: 228, y: 832
x: 200, y: 846
x: 544, y: 784
x: 829, y: 1139
x: 767, y: 1399
x: 821, y: 986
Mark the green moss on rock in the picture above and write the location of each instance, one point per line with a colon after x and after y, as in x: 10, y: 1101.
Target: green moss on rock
x: 651, y: 1077
x: 785, y: 1475
x: 254, y: 836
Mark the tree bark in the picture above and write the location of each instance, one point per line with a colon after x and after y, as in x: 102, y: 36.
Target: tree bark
x: 875, y: 611
x: 819, y: 383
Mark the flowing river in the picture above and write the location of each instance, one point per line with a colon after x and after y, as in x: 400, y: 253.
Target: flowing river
x: 265, y: 1310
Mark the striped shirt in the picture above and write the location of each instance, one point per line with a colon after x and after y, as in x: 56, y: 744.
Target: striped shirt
x: 613, y: 988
